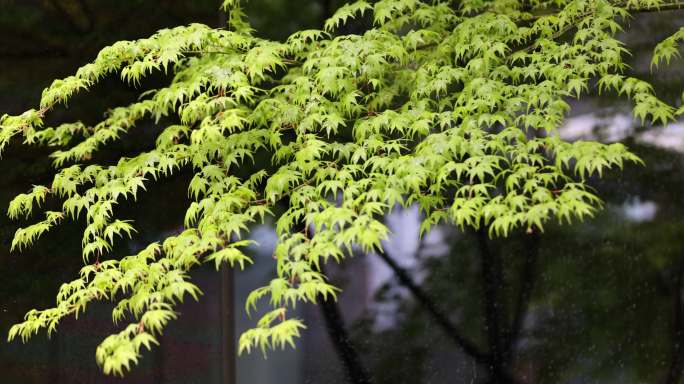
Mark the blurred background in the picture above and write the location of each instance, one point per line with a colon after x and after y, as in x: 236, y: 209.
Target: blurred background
x: 597, y: 302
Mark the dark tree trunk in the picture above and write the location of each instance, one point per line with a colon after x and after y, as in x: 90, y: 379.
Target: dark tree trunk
x: 344, y: 347
x: 491, y: 279
x: 528, y: 277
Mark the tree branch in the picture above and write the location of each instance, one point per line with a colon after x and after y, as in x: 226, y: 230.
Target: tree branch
x: 441, y: 318
x: 343, y: 346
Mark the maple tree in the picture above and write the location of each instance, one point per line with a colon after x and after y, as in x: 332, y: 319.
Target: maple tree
x: 451, y: 106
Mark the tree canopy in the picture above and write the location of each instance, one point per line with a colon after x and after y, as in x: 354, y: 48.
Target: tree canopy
x: 450, y: 106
